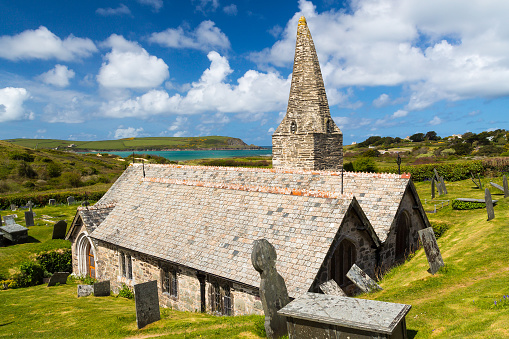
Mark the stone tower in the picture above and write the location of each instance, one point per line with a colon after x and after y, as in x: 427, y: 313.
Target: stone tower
x: 307, y: 138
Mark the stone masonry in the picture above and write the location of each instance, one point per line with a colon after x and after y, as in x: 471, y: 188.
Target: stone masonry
x: 307, y: 138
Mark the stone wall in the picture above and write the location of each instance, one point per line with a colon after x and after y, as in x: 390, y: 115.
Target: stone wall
x: 146, y: 268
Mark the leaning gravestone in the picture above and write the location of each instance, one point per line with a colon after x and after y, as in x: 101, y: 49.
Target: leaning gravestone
x: 70, y: 200
x: 429, y: 242
x: 362, y: 280
x: 29, y: 219
x: 497, y: 186
x: 331, y: 287
x: 273, y: 292
x: 433, y: 188
x: 58, y: 278
x: 52, y: 202
x: 442, y: 182
x: 506, y: 188
x: 489, y: 204
x: 85, y: 290
x: 59, y: 230
x: 147, y: 303
x: 102, y: 289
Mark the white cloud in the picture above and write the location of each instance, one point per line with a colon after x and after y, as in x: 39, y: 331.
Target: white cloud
x: 382, y: 101
x: 254, y: 94
x: 58, y: 76
x: 399, y: 114
x: 180, y: 134
x: 435, y: 121
x: 129, y: 132
x: 41, y: 131
x: 178, y: 124
x: 206, y: 5
x: 438, y: 51
x: 271, y: 131
x: 120, y: 10
x: 205, y: 37
x: 155, y: 4
x: 42, y: 44
x: 230, y: 10
x: 128, y: 65
x: 11, y: 104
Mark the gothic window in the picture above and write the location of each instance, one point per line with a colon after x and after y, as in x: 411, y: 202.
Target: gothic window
x: 170, y: 285
x: 126, y: 265
x: 122, y: 264
x: 129, y: 267
x: 402, y: 235
x: 342, y: 260
x: 221, y: 299
x: 293, y: 127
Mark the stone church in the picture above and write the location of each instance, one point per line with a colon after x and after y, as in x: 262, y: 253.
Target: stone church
x: 192, y: 228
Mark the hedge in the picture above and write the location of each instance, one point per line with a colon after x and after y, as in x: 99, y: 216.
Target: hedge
x: 42, y: 199
x: 467, y: 205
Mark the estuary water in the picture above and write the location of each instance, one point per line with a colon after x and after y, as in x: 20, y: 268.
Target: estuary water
x: 200, y: 154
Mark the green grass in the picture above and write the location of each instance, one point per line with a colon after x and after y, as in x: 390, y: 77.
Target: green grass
x: 39, y: 235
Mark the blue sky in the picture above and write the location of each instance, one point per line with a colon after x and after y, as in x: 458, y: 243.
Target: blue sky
x: 95, y: 70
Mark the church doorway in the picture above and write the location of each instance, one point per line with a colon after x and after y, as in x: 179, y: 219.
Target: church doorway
x: 342, y: 260
x: 402, y: 236
x: 86, y: 256
x: 90, y: 261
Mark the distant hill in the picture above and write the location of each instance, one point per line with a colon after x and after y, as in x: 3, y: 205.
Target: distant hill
x: 137, y: 144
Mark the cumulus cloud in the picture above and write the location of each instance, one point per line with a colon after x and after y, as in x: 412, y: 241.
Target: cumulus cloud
x: 452, y: 52
x: 129, y: 132
x: 230, y: 10
x: 155, y: 4
x: 254, y: 94
x: 271, y: 131
x: 382, y: 100
x: 43, y: 44
x: 435, y: 121
x: 11, y: 104
x: 206, y: 5
x: 205, y: 37
x: 178, y: 124
x: 58, y: 76
x: 120, y: 10
x: 128, y: 65
x: 399, y: 114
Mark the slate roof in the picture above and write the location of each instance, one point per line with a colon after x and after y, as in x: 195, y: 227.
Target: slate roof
x: 212, y: 229
x: 379, y: 195
x: 91, y: 216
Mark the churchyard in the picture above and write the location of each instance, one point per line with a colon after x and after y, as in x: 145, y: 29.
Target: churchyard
x: 468, y: 298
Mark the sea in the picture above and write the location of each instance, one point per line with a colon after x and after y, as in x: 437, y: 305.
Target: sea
x: 201, y: 154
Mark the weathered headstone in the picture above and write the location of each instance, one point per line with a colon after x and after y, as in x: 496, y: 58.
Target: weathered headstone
x: 314, y: 315
x: 439, y: 186
x: 497, y: 186
x: 479, y: 178
x: 52, y: 202
x: 433, y: 188
x: 85, y: 290
x: 59, y: 230
x: 29, y: 218
x: 442, y: 182
x: 30, y: 204
x: 489, y: 204
x: 362, y: 280
x: 58, y: 278
x: 102, y: 289
x: 273, y: 291
x: 436, y: 174
x: 14, y: 232
x: 429, y: 242
x: 146, y: 299
x: 70, y: 200
x: 506, y: 187
x: 13, y: 207
x: 331, y: 287
x: 9, y: 220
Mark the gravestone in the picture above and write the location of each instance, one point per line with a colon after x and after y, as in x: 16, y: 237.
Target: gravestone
x: 85, y: 203
x: 439, y: 186
x: 0, y: 220
x: 58, y: 278
x: 29, y: 218
x: 102, y: 289
x: 9, y: 220
x: 85, y: 290
x: 315, y: 315
x: 429, y: 242
x: 497, y: 186
x: 147, y: 303
x: 506, y: 187
x: 59, y: 230
x: 30, y: 204
x: 433, y: 188
x: 362, y: 280
x: 479, y: 178
x: 489, y: 204
x: 331, y: 287
x: 70, y: 200
x: 52, y: 202
x: 273, y: 291
x: 13, y: 207
x: 442, y: 182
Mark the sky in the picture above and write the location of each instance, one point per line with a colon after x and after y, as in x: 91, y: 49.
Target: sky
x: 97, y: 70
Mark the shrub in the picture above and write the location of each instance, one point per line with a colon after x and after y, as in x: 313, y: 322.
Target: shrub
x: 371, y: 153
x: 73, y: 179
x: 439, y: 229
x: 125, y: 292
x: 56, y: 261
x: 9, y: 283
x: 26, y: 171
x: 466, y: 205
x: 462, y: 148
x: 364, y: 165
x: 348, y: 166
x: 31, y: 273
x: 16, y: 155
x: 41, y: 199
x: 54, y: 169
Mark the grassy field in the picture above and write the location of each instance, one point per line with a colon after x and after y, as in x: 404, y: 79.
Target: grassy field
x: 457, y: 302
x: 153, y: 143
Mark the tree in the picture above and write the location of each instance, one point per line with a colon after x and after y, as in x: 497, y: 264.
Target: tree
x: 463, y: 148
x: 432, y: 135
x: 364, y: 165
x: 417, y: 137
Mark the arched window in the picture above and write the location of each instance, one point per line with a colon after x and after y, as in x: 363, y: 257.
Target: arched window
x: 90, y: 261
x: 86, y: 256
x: 342, y: 260
x: 402, y: 235
x: 293, y: 127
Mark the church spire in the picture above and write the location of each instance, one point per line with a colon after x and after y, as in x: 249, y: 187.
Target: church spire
x: 307, y: 137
